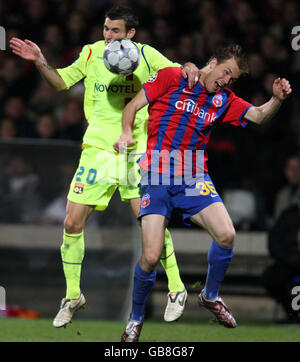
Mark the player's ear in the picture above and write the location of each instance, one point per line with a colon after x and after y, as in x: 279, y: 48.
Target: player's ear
x: 212, y: 63
x: 131, y: 33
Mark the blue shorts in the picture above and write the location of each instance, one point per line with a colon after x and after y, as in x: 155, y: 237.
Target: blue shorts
x: 188, y: 199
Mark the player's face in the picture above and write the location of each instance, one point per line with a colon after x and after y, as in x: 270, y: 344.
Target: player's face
x: 221, y: 75
x: 115, y: 29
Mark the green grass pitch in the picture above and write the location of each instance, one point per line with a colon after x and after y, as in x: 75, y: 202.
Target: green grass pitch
x: 81, y: 330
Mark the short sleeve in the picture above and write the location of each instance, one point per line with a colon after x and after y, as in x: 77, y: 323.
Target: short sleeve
x: 77, y: 70
x: 159, y: 84
x: 235, y: 111
x: 156, y: 60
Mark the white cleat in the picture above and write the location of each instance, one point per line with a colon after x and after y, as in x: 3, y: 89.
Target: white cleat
x: 67, y: 308
x: 175, y: 306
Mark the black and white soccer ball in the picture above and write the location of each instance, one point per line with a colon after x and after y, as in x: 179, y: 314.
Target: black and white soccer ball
x: 121, y: 56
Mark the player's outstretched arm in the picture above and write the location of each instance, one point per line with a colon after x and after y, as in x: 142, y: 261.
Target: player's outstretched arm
x: 30, y: 51
x: 128, y: 117
x: 281, y: 90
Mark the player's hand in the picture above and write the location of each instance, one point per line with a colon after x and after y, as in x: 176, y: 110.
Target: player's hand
x: 191, y: 73
x: 25, y: 49
x: 123, y: 142
x: 281, y: 88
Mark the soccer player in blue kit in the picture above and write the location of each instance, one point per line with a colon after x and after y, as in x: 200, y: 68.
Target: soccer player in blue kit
x: 173, y: 176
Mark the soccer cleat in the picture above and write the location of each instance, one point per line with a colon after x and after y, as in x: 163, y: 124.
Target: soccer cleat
x: 175, y: 306
x: 219, y: 309
x: 67, y: 308
x: 132, y: 331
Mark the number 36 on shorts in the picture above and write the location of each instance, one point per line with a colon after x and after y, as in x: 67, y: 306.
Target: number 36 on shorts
x: 206, y: 187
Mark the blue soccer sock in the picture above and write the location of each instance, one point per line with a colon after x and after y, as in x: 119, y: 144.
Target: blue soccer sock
x: 143, y: 284
x: 219, y: 259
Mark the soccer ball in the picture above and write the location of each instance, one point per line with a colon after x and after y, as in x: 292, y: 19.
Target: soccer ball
x: 121, y: 56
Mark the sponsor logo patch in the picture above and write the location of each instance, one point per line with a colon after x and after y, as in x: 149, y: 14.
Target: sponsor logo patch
x: 78, y: 188
x: 152, y: 79
x: 145, y: 201
x: 217, y: 100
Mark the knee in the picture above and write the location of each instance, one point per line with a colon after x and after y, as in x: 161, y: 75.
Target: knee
x: 226, y: 239
x: 149, y: 260
x: 72, y: 226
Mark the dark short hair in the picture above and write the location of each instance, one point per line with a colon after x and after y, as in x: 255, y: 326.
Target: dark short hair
x: 123, y: 13
x: 235, y: 51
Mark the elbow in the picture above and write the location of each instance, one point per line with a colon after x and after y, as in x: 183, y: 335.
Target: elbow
x: 60, y: 88
x: 59, y: 85
x: 258, y: 116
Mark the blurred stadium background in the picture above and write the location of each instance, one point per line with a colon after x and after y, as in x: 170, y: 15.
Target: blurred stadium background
x: 40, y: 134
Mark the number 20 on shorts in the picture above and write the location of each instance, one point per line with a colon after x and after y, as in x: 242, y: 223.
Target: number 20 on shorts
x: 91, y: 175
x: 206, y: 188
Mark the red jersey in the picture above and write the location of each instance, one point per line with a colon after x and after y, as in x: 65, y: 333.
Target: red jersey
x: 181, y: 120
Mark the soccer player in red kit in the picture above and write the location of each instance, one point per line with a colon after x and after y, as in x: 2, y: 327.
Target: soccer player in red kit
x: 174, y: 168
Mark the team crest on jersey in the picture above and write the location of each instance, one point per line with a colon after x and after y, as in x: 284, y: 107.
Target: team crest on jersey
x: 152, y: 79
x: 217, y: 100
x: 145, y: 201
x: 78, y: 188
